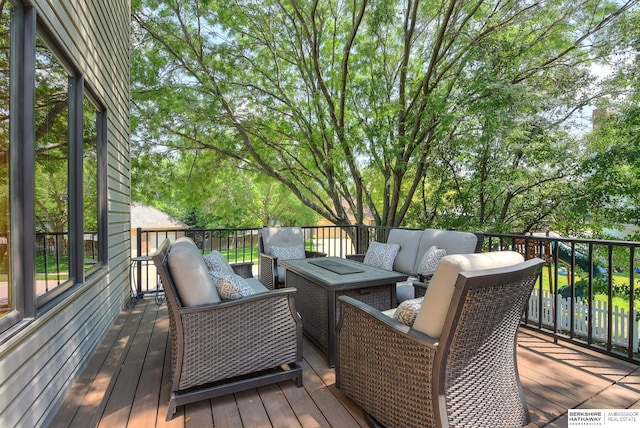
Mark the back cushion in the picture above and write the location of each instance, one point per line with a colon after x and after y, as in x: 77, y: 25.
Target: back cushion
x: 190, y: 274
x: 408, y: 241
x: 432, y: 314
x: 281, y: 237
x: 452, y: 241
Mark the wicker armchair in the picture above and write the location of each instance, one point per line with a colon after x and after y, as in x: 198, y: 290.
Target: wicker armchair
x: 230, y: 346
x: 271, y: 275
x: 466, y: 377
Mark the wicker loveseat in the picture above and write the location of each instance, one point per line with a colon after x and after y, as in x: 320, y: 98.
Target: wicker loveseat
x: 414, y: 244
x: 222, y: 347
x: 459, y: 370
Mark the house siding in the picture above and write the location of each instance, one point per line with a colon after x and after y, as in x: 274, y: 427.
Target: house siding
x: 42, y: 357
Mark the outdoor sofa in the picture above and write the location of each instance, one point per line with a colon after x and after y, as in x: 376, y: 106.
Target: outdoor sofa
x: 413, y: 245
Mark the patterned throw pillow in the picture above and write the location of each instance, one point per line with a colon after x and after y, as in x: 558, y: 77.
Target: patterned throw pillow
x: 233, y: 287
x: 431, y: 259
x: 288, y: 253
x: 217, y: 265
x: 407, y: 311
x: 381, y: 255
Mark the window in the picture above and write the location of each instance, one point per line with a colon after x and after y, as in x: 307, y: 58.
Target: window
x: 92, y: 117
x: 52, y: 135
x: 52, y: 170
x: 6, y: 301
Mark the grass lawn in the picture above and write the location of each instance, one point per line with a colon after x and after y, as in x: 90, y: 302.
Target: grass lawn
x: 618, y: 279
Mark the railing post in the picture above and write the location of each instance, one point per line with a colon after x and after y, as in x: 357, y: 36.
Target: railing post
x: 139, y: 265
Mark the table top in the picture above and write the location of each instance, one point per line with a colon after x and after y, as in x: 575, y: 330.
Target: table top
x: 361, y: 273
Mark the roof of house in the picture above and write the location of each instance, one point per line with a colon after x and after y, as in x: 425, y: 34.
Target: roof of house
x: 148, y: 217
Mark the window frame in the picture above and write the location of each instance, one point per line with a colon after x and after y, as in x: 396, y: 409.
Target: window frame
x: 25, y: 304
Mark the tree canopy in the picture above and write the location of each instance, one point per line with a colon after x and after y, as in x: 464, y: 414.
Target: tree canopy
x: 452, y: 113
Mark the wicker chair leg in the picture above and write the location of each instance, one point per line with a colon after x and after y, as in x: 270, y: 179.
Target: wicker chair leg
x: 172, y: 407
x: 298, y: 369
x: 371, y: 421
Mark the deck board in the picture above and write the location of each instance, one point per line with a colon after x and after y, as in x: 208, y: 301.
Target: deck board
x: 126, y: 384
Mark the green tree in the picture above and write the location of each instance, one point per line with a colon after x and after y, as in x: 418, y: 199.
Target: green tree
x: 458, y: 107
x: 612, y: 169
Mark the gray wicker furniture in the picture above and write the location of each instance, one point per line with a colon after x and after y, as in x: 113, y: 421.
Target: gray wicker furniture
x: 230, y: 346
x: 413, y: 246
x: 319, y: 288
x: 467, y: 377
x: 271, y: 274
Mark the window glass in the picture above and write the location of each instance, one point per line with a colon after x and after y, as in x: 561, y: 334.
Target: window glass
x: 51, y: 170
x: 90, y: 183
x: 6, y: 303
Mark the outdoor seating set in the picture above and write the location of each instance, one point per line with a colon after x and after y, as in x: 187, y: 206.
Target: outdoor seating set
x: 445, y: 359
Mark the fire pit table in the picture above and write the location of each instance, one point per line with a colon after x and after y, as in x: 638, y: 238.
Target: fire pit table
x: 320, y: 281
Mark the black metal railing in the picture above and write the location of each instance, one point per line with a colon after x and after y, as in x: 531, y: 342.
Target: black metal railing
x: 52, y: 259
x: 587, y: 293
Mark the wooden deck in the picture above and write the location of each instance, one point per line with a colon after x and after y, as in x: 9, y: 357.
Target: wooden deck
x: 126, y: 384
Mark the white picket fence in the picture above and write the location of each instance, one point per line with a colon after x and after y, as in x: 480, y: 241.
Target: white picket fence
x: 620, y: 322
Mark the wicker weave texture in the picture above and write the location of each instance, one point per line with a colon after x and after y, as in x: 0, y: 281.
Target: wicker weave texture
x: 267, y: 268
x: 470, y: 379
x: 237, y: 340
x: 385, y: 372
x: 377, y: 297
x: 312, y: 303
x: 229, y: 339
x: 245, y: 270
x: 481, y: 378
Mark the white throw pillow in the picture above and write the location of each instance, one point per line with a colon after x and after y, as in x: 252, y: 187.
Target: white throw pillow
x: 430, y: 260
x: 218, y: 266
x: 233, y: 286
x: 407, y: 311
x: 381, y: 255
x: 288, y: 253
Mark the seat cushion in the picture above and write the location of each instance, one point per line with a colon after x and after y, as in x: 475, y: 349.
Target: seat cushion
x: 381, y: 255
x: 190, y: 274
x: 431, y: 317
x: 256, y: 285
x: 409, y: 240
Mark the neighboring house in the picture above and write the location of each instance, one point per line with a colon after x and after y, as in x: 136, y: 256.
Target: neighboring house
x: 147, y: 217
x: 64, y: 180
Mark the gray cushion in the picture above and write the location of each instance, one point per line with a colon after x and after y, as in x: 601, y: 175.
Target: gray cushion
x: 190, y: 274
x: 256, y: 285
x: 231, y: 287
x: 409, y: 240
x: 281, y: 237
x: 452, y: 241
x: 381, y: 255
